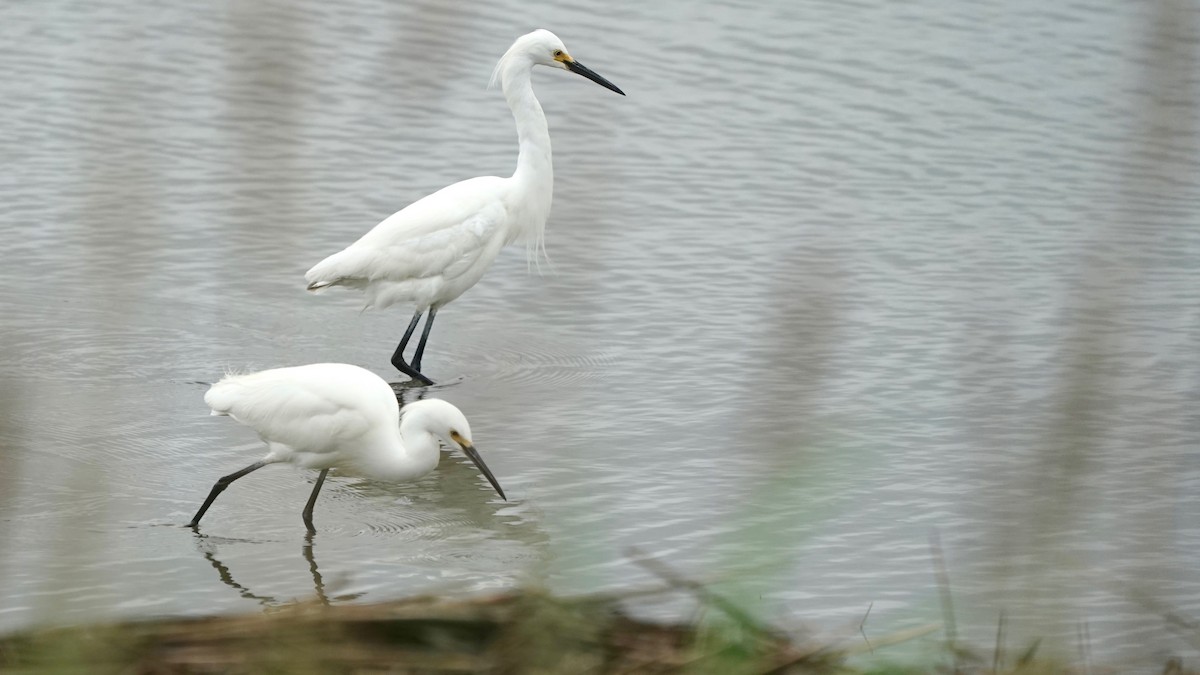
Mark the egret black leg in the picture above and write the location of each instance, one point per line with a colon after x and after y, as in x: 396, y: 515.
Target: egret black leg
x: 312, y: 499
x: 219, y: 487
x: 416, y: 362
x: 398, y: 361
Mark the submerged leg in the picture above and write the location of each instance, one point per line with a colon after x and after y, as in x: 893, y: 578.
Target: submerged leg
x: 416, y: 362
x: 398, y: 361
x: 312, y: 499
x: 219, y: 487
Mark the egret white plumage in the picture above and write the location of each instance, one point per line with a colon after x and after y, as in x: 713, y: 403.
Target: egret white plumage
x: 433, y: 250
x: 327, y: 415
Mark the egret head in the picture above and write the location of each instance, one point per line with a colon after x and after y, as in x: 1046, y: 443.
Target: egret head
x: 448, y: 423
x: 543, y: 48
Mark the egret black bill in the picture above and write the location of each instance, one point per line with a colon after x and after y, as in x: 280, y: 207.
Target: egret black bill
x: 579, y: 68
x: 473, y: 455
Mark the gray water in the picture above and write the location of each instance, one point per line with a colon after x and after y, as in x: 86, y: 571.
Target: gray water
x: 833, y: 278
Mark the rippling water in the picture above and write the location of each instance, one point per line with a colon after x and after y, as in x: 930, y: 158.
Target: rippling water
x: 832, y: 277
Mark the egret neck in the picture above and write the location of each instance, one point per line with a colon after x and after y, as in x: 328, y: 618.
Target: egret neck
x: 533, y: 181
x: 394, y: 460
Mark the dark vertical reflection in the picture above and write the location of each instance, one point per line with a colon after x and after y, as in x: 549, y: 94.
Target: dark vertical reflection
x: 804, y: 466
x: 1166, y: 129
x: 11, y: 441
x: 1040, y: 547
x: 266, y: 92
x: 118, y: 159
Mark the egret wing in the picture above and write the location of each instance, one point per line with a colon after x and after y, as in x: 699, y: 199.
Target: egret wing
x: 448, y: 252
x: 443, y: 209
x: 303, y: 409
x: 435, y: 235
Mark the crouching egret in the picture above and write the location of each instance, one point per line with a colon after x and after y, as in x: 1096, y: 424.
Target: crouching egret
x: 433, y: 250
x: 327, y: 415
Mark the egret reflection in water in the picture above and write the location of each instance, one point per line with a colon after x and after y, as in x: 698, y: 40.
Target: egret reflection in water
x: 210, y: 548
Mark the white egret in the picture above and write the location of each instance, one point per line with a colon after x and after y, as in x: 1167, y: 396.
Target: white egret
x: 433, y: 250
x: 327, y: 415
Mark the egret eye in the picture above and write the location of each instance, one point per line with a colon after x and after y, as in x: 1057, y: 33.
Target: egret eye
x: 558, y: 53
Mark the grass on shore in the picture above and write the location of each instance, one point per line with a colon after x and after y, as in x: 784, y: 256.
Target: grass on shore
x: 527, y: 633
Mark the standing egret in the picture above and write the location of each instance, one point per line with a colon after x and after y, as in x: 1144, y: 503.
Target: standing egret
x: 327, y: 415
x: 433, y: 250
